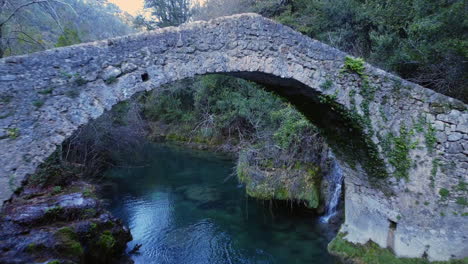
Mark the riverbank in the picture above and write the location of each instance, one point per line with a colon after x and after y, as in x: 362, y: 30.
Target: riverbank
x: 57, y: 217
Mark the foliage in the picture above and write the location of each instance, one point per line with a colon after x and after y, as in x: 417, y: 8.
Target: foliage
x: 236, y: 110
x: 56, y: 190
x: 169, y: 12
x: 38, y: 103
x: 53, y: 213
x: 444, y: 193
x: 292, y: 128
x: 399, y: 153
x: 68, y: 242
x: 395, y: 35
x: 430, y: 137
x: 67, y: 38
x: 106, y: 242
x: 13, y: 133
x: 462, y: 201
x: 355, y: 65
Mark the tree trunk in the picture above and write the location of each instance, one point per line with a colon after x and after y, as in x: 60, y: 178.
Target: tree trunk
x: 2, y: 52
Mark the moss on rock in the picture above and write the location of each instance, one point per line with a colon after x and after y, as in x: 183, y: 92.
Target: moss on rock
x: 106, y: 241
x: 67, y: 242
x: 300, y: 183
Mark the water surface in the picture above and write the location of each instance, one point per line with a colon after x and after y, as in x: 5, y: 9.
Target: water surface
x: 186, y: 207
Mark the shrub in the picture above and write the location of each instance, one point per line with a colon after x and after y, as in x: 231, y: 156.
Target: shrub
x: 355, y: 65
x: 444, y: 193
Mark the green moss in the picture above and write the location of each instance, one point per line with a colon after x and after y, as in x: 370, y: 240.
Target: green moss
x: 80, y: 81
x: 399, y: 149
x: 106, y: 241
x: 326, y: 85
x: 38, y: 103
x: 68, y: 242
x: 355, y: 65
x: 111, y: 80
x: 93, y: 226
x: 462, y: 201
x: 5, y: 99
x: 241, y: 171
x: 53, y: 212
x: 89, y: 193
x: 435, y: 166
x: 46, y: 91
x: 328, y: 98
x: 430, y: 138
x: 282, y: 194
x: 461, y: 186
x: 371, y: 253
x: 56, y: 190
x: 444, y: 193
x: 90, y: 212
x: 420, y: 124
x: 13, y: 133
x: 32, y: 247
x: 266, y: 190
x: 72, y: 94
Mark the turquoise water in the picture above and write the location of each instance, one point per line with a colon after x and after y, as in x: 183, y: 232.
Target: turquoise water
x: 186, y: 207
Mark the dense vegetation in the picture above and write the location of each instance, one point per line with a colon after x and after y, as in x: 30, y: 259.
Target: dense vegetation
x: 423, y: 41
x: 221, y: 110
x: 33, y: 25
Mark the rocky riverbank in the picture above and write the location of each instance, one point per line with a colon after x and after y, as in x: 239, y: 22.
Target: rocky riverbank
x: 65, y: 223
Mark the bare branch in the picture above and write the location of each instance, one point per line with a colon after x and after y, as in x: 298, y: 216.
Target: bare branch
x: 19, y: 8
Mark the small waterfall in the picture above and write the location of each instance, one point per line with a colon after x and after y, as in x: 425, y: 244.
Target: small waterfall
x: 336, y: 183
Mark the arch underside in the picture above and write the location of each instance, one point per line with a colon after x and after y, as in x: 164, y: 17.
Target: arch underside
x: 78, y: 83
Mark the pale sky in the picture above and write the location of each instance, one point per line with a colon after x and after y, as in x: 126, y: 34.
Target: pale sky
x: 133, y: 6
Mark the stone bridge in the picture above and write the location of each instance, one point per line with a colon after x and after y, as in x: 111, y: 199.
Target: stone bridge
x: 403, y: 148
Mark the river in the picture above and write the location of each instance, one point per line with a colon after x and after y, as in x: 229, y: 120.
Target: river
x: 187, y: 207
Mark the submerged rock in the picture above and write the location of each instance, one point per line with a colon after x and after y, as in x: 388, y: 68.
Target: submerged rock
x: 201, y: 193
x: 68, y: 226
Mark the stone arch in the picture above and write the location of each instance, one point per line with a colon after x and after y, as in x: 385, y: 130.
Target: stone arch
x: 371, y: 119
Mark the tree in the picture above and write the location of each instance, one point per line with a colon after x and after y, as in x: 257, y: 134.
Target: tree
x: 11, y: 10
x: 169, y: 12
x: 216, y: 8
x: 68, y: 37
